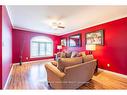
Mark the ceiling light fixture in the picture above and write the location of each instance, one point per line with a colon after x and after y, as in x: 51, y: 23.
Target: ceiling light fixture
x: 57, y: 25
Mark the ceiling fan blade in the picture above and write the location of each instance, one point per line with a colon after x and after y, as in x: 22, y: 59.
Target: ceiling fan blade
x: 60, y: 26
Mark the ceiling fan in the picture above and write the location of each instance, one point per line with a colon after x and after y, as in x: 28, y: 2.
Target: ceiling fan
x: 57, y: 25
x: 61, y: 26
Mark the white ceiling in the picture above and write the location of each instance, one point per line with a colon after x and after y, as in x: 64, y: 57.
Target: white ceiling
x: 38, y: 18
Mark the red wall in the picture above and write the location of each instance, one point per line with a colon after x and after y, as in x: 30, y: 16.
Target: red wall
x: 6, y: 45
x: 114, y: 51
x: 0, y: 47
x: 19, y: 35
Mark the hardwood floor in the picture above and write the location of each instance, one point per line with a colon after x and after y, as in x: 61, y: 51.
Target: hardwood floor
x: 33, y: 76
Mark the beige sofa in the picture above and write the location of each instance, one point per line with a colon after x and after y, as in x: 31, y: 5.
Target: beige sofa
x: 66, y: 54
x: 72, y: 77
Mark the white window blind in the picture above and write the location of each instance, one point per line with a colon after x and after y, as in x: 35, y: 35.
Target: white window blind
x: 41, y: 47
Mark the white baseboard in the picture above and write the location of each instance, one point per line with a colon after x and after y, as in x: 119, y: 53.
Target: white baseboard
x: 8, y: 78
x: 5, y: 86
x: 117, y: 74
x: 44, y: 60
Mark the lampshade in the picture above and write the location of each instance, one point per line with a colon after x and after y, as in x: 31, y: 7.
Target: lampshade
x: 91, y: 47
x: 59, y: 47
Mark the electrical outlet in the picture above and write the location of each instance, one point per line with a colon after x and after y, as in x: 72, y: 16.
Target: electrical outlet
x: 26, y: 58
x: 108, y: 65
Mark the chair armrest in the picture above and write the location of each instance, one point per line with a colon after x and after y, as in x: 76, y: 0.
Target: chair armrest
x: 54, y: 70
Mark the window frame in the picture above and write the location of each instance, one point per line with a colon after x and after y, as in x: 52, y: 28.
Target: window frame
x: 40, y: 56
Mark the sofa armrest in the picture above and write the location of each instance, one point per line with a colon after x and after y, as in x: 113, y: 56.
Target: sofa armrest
x: 53, y: 70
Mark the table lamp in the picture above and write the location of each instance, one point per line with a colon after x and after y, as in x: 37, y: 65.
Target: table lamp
x: 90, y: 48
x: 59, y: 47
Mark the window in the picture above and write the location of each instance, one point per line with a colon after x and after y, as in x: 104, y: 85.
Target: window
x: 72, y: 42
x: 41, y: 46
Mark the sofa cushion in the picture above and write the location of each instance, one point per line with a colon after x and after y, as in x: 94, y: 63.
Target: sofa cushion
x: 65, y: 62
x: 88, y: 58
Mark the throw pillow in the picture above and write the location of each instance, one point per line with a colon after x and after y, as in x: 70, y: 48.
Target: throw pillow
x: 63, y: 55
x: 65, y: 62
x: 88, y: 58
x: 68, y: 54
x: 83, y: 54
x: 55, y: 63
x: 74, y: 54
x: 78, y: 55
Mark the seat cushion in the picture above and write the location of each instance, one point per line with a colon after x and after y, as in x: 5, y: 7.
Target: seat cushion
x: 65, y: 62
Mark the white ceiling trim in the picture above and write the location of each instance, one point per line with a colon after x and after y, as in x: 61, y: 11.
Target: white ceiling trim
x: 8, y: 11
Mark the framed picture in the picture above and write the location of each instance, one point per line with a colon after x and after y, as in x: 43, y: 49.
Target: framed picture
x: 75, y: 40
x: 95, y: 38
x: 64, y: 42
